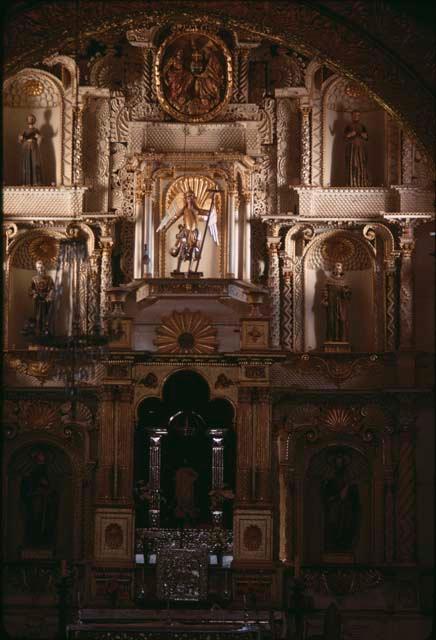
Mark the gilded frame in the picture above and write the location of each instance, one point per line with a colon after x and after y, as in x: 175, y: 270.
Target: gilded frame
x: 160, y: 91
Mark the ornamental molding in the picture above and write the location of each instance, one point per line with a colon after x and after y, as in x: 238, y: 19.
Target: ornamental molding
x: 186, y: 332
x: 310, y: 30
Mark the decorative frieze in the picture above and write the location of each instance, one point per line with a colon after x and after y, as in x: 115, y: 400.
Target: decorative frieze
x: 43, y: 202
x: 305, y: 145
x: 344, y: 202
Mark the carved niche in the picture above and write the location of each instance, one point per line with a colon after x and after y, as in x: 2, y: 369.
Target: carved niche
x: 40, y: 502
x: 337, y: 506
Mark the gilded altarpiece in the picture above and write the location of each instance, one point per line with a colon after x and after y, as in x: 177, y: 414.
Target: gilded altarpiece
x: 308, y: 452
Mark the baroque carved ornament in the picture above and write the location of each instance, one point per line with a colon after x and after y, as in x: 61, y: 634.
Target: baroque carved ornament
x: 193, y: 75
x: 186, y: 333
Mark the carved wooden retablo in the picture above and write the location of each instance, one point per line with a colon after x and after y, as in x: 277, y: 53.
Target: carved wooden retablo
x: 193, y: 76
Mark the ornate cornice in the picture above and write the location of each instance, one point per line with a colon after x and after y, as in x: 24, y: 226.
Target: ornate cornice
x: 370, y: 49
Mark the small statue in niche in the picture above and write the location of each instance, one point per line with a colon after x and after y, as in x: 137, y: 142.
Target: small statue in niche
x: 356, y: 158
x: 185, y: 511
x: 335, y: 297
x: 42, y: 291
x: 40, y: 500
x: 341, y: 505
x: 188, y: 247
x: 30, y: 140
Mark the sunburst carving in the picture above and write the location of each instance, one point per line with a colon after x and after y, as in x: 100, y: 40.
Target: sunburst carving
x: 39, y: 416
x: 199, y: 185
x: 45, y: 248
x: 339, y: 419
x: 186, y: 332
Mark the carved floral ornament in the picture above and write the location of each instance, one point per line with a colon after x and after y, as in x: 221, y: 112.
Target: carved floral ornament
x: 36, y: 415
x: 193, y: 74
x: 333, y: 247
x: 336, y: 418
x: 186, y: 332
x: 33, y: 89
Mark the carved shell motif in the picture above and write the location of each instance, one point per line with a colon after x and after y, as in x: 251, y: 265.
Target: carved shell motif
x: 339, y: 419
x: 39, y: 416
x: 186, y: 332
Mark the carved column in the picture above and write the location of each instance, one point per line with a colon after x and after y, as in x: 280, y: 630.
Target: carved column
x: 106, y: 272
x: 305, y: 145
x: 123, y: 458
x: 388, y: 495
x: 97, y: 152
x: 283, y: 152
x: 232, y: 231
x: 138, y: 253
x: 269, y: 169
x: 93, y: 315
x: 217, y: 436
x: 274, y: 286
x: 262, y: 453
x: 10, y: 229
x: 154, y: 478
x: 246, y: 265
x: 245, y: 435
x: 285, y: 488
x: 149, y: 234
x: 287, y: 323
x: 104, y: 486
x: 406, y: 500
x: 243, y: 74
x: 115, y: 464
x: 77, y: 147
x: 316, y: 141
x: 390, y: 320
x: 407, y: 244
x: 147, y: 88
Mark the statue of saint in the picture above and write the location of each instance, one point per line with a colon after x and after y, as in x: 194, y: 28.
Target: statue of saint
x: 185, y: 510
x: 209, y: 81
x: 30, y: 139
x: 341, y: 505
x: 40, y: 502
x: 193, y: 75
x: 336, y: 297
x: 356, y: 159
x: 177, y: 79
x: 42, y: 292
x: 186, y: 248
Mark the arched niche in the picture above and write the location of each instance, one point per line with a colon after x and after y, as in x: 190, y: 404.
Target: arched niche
x: 337, y: 506
x: 32, y: 246
x: 340, y: 97
x: 40, y: 503
x: 25, y: 250
x: 36, y: 92
x: 184, y: 441
x: 212, y: 258
x: 358, y: 262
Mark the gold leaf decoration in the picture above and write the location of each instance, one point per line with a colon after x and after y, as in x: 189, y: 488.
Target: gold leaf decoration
x: 339, y: 419
x: 186, y: 332
x: 38, y: 369
x: 337, y: 249
x: 33, y: 88
x: 44, y: 248
x: 200, y: 185
x: 39, y: 415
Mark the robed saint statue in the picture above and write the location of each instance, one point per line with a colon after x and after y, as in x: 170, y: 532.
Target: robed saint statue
x: 189, y: 239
